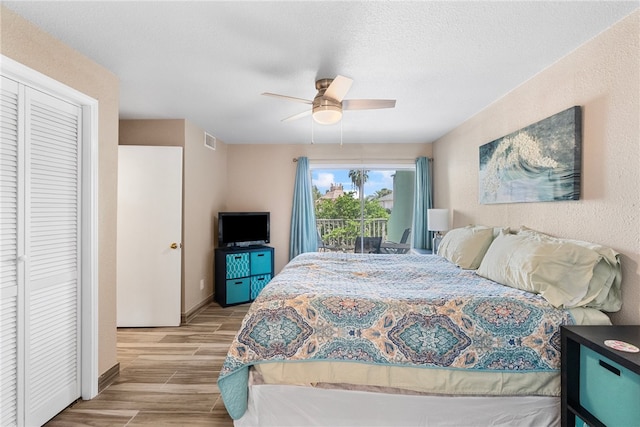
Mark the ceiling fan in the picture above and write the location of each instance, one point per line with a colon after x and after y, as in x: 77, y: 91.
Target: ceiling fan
x: 327, y: 106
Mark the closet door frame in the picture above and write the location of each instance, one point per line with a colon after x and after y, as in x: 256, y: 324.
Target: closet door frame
x: 89, y: 212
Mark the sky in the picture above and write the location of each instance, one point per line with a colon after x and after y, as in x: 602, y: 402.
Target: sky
x: 378, y: 179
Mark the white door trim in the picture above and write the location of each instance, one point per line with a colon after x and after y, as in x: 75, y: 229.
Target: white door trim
x: 89, y: 256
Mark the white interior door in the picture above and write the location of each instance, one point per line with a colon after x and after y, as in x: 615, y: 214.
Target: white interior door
x: 149, y: 235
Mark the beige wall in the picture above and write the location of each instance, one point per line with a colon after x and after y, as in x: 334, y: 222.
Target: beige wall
x: 602, y: 76
x: 205, y: 184
x: 152, y: 132
x: 204, y: 193
x: 261, y: 177
x: 25, y: 43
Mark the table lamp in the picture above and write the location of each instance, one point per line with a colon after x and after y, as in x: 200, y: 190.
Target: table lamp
x: 437, y: 220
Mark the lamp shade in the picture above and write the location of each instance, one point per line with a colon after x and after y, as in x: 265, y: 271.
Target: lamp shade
x: 437, y: 219
x: 327, y: 114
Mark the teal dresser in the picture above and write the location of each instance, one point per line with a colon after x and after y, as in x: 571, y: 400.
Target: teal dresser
x: 600, y: 385
x: 241, y: 273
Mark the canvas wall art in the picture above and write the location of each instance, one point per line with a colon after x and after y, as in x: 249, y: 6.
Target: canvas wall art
x: 539, y: 163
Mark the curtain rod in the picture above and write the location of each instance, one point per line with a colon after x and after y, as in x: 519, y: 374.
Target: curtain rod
x: 295, y: 159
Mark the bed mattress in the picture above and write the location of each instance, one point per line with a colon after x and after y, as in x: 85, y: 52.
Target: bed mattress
x: 294, y: 406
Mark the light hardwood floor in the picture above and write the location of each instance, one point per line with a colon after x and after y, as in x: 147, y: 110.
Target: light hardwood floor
x: 167, y: 376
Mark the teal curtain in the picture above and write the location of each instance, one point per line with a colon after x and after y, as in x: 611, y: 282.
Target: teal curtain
x: 304, y: 237
x: 423, y: 200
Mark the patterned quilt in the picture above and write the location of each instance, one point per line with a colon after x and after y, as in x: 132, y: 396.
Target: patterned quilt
x: 393, y: 310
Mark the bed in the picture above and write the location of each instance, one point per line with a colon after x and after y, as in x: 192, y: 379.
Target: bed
x: 372, y: 339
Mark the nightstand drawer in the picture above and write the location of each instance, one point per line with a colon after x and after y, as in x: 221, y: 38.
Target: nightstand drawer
x: 238, y: 290
x: 608, y: 390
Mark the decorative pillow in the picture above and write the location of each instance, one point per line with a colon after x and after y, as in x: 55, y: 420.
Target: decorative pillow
x: 604, y: 288
x: 559, y: 271
x: 465, y: 247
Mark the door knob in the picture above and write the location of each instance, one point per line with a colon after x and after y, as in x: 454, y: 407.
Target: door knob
x: 175, y: 246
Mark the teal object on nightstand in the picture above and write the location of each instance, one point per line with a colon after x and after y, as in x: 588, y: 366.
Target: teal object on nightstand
x: 580, y: 422
x: 600, y: 382
x: 608, y: 390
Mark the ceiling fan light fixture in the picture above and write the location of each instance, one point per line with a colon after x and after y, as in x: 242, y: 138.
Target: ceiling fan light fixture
x: 327, y: 114
x: 327, y: 106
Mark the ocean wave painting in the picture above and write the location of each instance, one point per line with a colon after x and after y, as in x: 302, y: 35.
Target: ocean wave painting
x: 539, y: 163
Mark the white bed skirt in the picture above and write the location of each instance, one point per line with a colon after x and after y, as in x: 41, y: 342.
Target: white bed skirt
x: 283, y: 405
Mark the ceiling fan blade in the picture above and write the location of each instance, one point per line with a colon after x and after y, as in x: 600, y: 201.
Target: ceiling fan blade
x: 367, y: 104
x: 297, y: 116
x: 290, y: 98
x: 338, y: 88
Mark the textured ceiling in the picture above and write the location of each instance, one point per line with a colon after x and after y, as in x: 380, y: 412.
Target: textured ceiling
x: 209, y: 61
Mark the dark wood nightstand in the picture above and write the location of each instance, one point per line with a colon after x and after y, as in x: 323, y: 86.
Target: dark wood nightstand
x: 600, y: 385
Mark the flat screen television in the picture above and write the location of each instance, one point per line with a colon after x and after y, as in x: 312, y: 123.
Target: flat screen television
x: 243, y: 228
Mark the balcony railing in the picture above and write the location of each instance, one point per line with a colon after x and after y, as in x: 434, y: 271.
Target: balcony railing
x: 340, y: 234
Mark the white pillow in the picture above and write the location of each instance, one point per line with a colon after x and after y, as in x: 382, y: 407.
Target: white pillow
x: 604, y: 288
x: 465, y: 247
x: 559, y: 271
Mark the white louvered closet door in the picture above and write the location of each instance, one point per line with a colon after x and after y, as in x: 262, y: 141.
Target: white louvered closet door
x: 52, y: 332
x: 10, y: 133
x: 47, y: 218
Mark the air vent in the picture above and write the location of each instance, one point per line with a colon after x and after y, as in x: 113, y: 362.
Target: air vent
x: 209, y: 141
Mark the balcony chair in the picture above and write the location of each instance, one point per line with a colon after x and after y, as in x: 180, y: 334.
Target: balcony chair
x: 397, y: 248
x: 369, y: 245
x: 322, y: 246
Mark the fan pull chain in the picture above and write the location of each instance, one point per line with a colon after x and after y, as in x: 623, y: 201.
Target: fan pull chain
x: 313, y: 133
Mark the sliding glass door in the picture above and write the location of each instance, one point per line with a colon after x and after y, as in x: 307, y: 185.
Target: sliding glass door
x: 366, y: 210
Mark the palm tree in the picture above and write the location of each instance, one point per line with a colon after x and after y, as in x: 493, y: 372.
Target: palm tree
x: 381, y: 193
x: 358, y: 178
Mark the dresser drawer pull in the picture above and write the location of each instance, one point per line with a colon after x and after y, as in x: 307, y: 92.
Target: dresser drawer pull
x: 260, y: 254
x: 238, y: 283
x: 610, y: 368
x: 238, y: 257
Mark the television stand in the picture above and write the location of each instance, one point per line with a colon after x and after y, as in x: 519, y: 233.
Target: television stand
x: 241, y: 272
